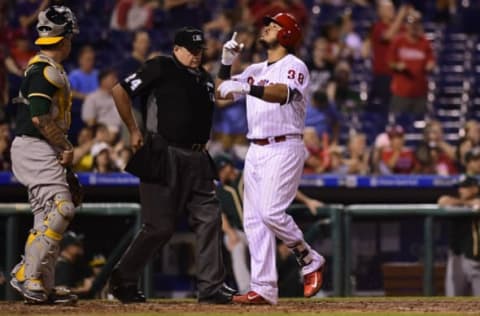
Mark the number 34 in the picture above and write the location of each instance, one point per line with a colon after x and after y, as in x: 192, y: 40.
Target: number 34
x: 292, y: 73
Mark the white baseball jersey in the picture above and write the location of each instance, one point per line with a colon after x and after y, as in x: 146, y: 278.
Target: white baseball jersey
x: 267, y: 119
x: 272, y: 172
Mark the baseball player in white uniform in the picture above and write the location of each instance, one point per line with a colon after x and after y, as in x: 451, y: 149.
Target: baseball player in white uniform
x: 275, y: 92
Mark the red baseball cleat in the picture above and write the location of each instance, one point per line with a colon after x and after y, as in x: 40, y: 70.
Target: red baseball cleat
x: 251, y: 298
x: 312, y: 282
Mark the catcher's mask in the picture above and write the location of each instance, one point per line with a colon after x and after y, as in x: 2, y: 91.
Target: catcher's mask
x: 54, y: 24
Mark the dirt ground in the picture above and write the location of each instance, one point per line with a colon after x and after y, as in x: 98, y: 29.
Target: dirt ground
x: 461, y: 306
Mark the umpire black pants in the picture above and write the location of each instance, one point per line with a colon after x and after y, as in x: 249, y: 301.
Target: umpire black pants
x: 189, y: 189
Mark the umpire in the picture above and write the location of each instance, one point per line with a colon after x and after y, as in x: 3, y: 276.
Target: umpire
x: 175, y: 170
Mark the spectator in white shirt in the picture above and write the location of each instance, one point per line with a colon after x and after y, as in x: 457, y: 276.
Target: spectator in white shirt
x: 99, y: 106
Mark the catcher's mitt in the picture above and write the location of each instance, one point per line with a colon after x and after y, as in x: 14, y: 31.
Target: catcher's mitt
x: 76, y: 189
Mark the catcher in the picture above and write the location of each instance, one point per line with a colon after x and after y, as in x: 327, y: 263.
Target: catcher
x: 41, y: 153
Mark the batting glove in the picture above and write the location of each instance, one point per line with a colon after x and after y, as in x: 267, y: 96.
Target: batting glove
x: 231, y: 49
x: 231, y: 86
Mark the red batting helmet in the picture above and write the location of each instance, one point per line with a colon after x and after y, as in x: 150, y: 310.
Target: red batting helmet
x: 290, y: 34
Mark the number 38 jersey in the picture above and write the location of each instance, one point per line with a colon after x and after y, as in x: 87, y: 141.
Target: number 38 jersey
x: 267, y: 119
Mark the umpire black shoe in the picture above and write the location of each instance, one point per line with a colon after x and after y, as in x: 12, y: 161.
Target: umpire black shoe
x: 62, y: 296
x: 128, y: 294
x: 125, y: 293
x: 229, y: 290
x: 223, y: 295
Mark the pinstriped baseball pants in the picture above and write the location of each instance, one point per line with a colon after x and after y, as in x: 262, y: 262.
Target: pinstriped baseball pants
x: 272, y: 174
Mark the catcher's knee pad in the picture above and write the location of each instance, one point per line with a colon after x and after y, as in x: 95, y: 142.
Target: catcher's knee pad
x: 60, y: 215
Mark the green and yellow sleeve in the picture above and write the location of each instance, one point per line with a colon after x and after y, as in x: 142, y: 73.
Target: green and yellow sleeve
x: 41, y: 90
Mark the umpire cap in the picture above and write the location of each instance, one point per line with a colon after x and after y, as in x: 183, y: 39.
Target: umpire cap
x: 190, y: 38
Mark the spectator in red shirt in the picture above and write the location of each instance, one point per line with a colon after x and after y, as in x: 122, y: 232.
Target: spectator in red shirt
x: 21, y: 51
x: 132, y: 15
x: 383, y: 31
x: 432, y: 160
x: 396, y: 159
x: 318, y: 158
x: 411, y: 58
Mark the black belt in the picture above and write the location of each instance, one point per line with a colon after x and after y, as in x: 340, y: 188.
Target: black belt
x: 194, y: 147
x: 190, y: 146
x: 275, y: 139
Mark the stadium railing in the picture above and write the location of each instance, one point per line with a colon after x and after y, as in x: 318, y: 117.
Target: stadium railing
x: 428, y: 212
x: 12, y: 210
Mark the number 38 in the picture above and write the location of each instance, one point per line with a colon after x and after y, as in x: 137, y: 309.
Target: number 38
x: 292, y: 73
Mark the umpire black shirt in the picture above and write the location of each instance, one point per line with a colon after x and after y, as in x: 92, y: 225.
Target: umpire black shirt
x: 179, y: 100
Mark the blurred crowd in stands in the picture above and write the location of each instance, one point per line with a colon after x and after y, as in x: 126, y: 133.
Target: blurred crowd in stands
x: 377, y: 70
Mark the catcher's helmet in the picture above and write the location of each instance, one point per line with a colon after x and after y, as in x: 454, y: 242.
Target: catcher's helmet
x: 290, y: 34
x: 54, y: 23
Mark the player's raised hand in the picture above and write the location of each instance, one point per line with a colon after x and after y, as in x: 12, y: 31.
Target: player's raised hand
x: 231, y: 49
